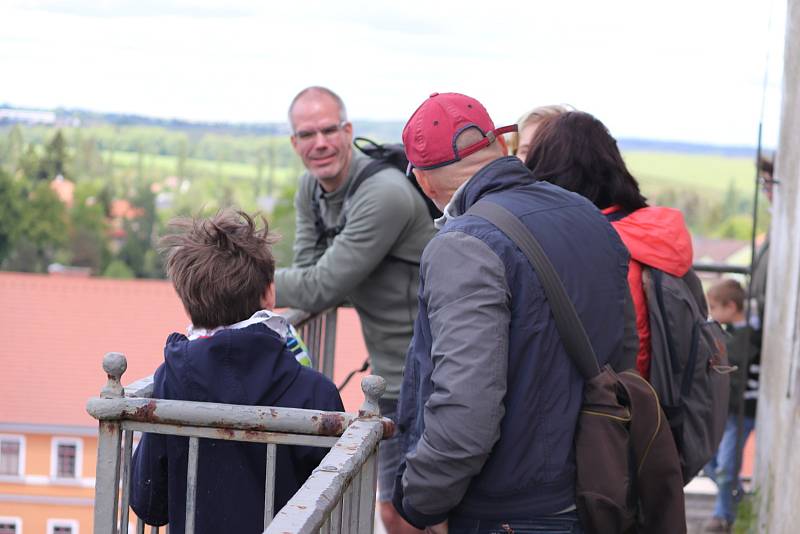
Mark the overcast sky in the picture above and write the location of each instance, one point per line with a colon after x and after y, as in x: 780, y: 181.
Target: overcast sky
x: 688, y: 70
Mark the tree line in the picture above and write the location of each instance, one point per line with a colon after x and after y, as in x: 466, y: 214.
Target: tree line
x: 162, y: 175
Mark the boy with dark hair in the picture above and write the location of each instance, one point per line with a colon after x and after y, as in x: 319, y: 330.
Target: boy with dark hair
x: 236, y: 352
x: 726, y: 305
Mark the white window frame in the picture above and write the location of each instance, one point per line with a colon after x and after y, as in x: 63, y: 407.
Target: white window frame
x: 21, y: 460
x: 16, y: 520
x: 69, y: 523
x: 56, y: 441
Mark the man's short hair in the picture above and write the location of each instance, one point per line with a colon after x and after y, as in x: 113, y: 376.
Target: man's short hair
x: 726, y: 291
x: 220, y: 266
x: 325, y: 91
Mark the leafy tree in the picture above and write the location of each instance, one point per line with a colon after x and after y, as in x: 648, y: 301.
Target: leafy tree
x: 28, y: 165
x: 736, y: 227
x: 271, y: 174
x: 10, y: 213
x: 183, y: 152
x: 259, y: 172
x: 153, y: 266
x: 87, y: 161
x: 140, y: 165
x: 88, y: 236
x: 140, y: 233
x: 42, y: 230
x: 118, y: 269
x: 282, y: 223
x: 730, y: 203
x: 15, y: 146
x: 55, y: 158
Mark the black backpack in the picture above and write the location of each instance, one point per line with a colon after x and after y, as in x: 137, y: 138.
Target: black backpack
x: 689, y: 366
x: 383, y: 157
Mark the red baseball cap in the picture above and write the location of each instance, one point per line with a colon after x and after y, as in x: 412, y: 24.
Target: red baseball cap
x: 429, y: 136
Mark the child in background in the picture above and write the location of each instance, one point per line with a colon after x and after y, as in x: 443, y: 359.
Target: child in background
x: 726, y: 305
x: 236, y: 352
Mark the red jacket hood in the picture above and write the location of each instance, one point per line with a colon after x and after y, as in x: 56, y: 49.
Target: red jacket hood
x: 657, y: 237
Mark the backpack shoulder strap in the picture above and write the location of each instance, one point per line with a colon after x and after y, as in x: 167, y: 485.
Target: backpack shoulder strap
x: 569, y: 325
x: 372, y: 168
x: 325, y: 232
x: 657, y: 278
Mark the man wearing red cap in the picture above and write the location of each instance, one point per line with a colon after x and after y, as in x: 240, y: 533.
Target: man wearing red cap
x: 490, y: 397
x: 359, y: 243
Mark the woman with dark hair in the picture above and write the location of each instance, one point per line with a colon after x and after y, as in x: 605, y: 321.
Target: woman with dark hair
x: 574, y: 150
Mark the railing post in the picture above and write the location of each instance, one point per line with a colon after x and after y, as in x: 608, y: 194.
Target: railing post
x: 108, y: 450
x: 127, y: 449
x: 330, y: 343
x: 373, y: 388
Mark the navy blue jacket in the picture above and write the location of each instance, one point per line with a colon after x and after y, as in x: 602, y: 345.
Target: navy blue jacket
x: 490, y: 398
x: 250, y: 366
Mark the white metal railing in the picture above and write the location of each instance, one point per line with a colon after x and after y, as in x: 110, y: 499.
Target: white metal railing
x: 339, y: 496
x: 319, y: 334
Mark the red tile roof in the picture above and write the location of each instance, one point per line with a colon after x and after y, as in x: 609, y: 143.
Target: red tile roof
x: 122, y: 209
x: 707, y: 249
x: 64, y: 188
x: 56, y: 330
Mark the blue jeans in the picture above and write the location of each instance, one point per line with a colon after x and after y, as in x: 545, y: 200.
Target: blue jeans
x: 721, y: 468
x: 554, y: 524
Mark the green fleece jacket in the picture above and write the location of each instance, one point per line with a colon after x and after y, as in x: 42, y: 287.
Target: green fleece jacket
x: 373, y: 262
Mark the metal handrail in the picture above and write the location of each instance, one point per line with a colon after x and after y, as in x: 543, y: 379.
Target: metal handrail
x: 721, y: 268
x: 338, y: 497
x: 319, y: 334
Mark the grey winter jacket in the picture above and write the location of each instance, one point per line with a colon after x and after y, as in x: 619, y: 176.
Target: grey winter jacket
x: 373, y: 262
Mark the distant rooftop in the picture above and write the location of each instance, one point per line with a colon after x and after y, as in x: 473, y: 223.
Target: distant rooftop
x: 56, y: 330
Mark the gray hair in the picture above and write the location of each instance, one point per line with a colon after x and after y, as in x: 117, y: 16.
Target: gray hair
x: 318, y: 89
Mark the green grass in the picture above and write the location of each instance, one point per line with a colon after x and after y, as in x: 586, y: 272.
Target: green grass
x: 687, y: 176
x: 704, y: 174
x: 747, y: 515
x: 656, y: 171
x: 156, y: 165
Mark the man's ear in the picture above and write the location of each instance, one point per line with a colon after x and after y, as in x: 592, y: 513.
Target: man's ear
x: 348, y: 130
x: 268, y: 298
x: 293, y: 139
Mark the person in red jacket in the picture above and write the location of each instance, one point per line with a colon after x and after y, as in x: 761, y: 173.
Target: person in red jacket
x: 574, y: 150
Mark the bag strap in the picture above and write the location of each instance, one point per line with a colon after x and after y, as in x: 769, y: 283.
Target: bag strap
x: 325, y: 232
x: 569, y: 325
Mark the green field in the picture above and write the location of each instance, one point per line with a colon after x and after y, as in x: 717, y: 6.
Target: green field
x: 158, y: 166
x: 701, y: 174
x: 656, y: 171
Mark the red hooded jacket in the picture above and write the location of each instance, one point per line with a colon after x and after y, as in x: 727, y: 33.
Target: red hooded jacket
x: 657, y: 237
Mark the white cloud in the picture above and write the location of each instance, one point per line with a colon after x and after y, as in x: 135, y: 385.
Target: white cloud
x: 678, y: 70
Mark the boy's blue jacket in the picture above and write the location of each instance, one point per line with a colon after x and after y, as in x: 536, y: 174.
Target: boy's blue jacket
x: 250, y: 366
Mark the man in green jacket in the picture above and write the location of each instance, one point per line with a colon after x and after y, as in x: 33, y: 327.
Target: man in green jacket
x: 364, y: 247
